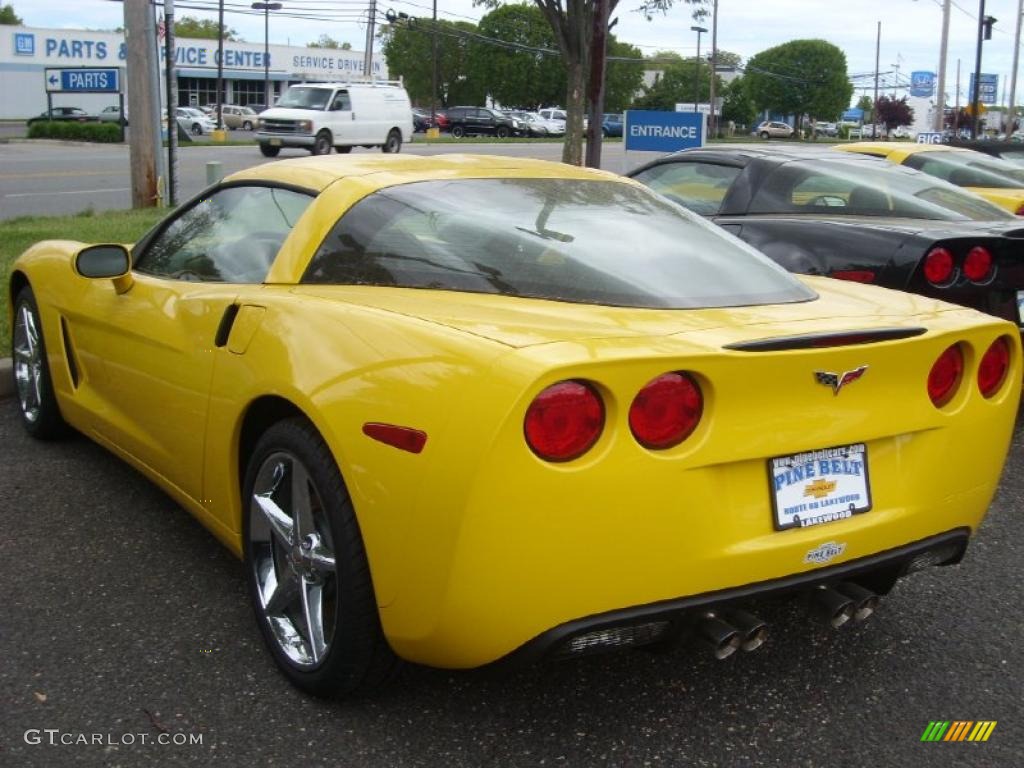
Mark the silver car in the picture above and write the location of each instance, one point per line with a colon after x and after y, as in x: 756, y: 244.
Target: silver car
x: 770, y: 129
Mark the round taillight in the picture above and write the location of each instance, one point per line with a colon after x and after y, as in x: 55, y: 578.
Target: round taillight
x: 993, y: 367
x: 939, y: 266
x: 666, y: 410
x: 945, y: 376
x: 564, y: 421
x: 978, y: 264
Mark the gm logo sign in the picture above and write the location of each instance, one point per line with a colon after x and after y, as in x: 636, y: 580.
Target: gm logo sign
x: 24, y: 44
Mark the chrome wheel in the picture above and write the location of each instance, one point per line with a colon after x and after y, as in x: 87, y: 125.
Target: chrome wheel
x: 292, y: 558
x: 28, y: 363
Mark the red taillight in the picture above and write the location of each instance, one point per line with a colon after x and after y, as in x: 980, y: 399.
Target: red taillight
x: 855, y: 275
x: 978, y: 264
x: 945, y: 376
x: 564, y: 421
x: 938, y: 266
x: 993, y: 367
x: 666, y: 410
x: 1020, y: 210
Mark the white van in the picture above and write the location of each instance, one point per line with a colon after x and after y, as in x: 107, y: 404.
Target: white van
x: 318, y: 116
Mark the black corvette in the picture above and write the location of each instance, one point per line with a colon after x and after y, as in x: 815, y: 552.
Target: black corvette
x: 855, y: 218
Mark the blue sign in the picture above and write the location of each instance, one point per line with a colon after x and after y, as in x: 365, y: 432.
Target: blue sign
x: 24, y: 44
x: 82, y: 80
x: 922, y: 84
x: 988, y: 89
x: 647, y: 131
x: 853, y: 115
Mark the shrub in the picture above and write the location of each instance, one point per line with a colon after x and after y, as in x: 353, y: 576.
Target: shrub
x: 106, y: 133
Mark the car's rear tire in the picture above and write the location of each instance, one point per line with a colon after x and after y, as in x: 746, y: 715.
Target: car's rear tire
x: 393, y: 143
x: 323, y: 143
x: 458, y: 131
x: 501, y: 132
x: 269, y: 150
x: 765, y: 135
x: 306, y: 567
x: 37, y: 403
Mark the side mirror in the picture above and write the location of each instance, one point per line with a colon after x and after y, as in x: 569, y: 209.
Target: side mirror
x: 103, y: 261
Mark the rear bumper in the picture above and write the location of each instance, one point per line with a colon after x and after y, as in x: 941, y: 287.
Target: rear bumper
x: 876, y: 571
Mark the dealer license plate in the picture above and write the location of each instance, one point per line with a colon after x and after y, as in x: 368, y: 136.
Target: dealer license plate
x: 818, y: 487
x: 1020, y: 306
x: 275, y: 142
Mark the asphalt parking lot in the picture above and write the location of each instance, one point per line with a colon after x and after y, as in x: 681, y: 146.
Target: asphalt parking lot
x: 122, y: 617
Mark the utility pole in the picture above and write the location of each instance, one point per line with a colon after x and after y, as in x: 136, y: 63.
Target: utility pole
x: 433, y: 70
x: 940, y: 97
x: 172, y: 105
x: 874, y: 107
x: 595, y: 88
x: 142, y: 143
x: 956, y: 109
x: 712, y: 118
x: 976, y: 95
x: 1011, y: 105
x: 368, y: 55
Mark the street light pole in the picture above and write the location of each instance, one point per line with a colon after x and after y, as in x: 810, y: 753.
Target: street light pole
x: 266, y: 8
x: 984, y: 33
x: 433, y: 70
x: 696, y: 68
x: 940, y: 96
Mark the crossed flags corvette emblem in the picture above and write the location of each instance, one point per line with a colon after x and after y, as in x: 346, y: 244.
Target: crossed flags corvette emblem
x: 839, y: 380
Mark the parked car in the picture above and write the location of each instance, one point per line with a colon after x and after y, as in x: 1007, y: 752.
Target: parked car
x: 831, y: 130
x: 994, y: 179
x: 532, y: 124
x: 195, y: 121
x: 477, y: 121
x: 322, y: 116
x: 771, y: 129
x: 1012, y: 151
x: 557, y: 113
x: 421, y: 120
x: 456, y: 433
x: 237, y: 117
x: 612, y: 125
x: 112, y: 114
x: 818, y: 212
x: 66, y: 114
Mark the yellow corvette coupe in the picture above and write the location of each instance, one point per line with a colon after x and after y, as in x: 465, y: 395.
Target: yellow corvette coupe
x: 464, y: 409
x: 998, y: 181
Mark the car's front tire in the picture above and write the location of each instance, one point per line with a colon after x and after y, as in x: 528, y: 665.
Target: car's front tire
x: 308, y: 576
x: 197, y: 129
x: 269, y: 150
x: 247, y: 126
x: 501, y: 132
x: 37, y: 403
x: 323, y: 143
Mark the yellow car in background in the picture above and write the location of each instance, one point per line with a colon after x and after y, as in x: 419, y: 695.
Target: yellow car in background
x: 996, y: 180
x: 460, y: 409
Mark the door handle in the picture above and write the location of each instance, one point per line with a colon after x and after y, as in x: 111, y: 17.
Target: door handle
x: 226, y: 321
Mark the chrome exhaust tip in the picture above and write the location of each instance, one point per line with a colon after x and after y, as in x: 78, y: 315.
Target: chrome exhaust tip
x: 864, y: 600
x: 753, y: 631
x: 721, y: 636
x: 832, y: 606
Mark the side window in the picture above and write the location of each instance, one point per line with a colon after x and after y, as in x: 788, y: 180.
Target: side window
x: 232, y: 236
x: 341, y: 102
x: 701, y: 187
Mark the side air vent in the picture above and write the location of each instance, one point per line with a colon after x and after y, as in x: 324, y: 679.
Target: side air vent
x: 69, y: 352
x: 822, y: 340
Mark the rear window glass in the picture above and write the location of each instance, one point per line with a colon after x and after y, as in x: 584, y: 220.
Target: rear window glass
x: 595, y: 242
x: 701, y: 187
x: 968, y: 169
x: 867, y: 188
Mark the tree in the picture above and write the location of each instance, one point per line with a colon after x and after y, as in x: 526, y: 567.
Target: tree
x: 728, y: 58
x: 737, y: 105
x: 624, y: 75
x: 801, y: 77
x: 661, y: 59
x: 682, y: 82
x: 8, y: 16
x: 894, y: 112
x: 518, y: 74
x: 407, y: 48
x: 326, y: 41
x: 203, y: 29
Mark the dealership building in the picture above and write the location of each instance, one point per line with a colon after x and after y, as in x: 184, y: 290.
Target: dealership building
x: 26, y: 52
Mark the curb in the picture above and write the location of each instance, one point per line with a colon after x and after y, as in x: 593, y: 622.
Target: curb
x: 6, y: 377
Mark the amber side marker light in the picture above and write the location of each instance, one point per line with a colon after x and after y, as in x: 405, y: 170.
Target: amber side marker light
x: 993, y: 367
x: 666, y: 411
x: 403, y: 438
x: 944, y: 377
x: 564, y: 421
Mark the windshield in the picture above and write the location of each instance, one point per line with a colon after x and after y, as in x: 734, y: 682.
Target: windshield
x: 593, y: 242
x: 968, y: 169
x: 305, y: 97
x: 867, y: 189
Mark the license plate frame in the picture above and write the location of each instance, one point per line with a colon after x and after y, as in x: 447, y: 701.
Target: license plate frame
x: 275, y: 142
x: 820, y: 486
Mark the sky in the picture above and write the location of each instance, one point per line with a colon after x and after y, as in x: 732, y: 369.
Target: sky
x: 910, y: 36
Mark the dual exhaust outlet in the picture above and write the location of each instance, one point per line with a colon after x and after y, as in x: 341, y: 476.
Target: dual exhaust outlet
x: 730, y: 631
